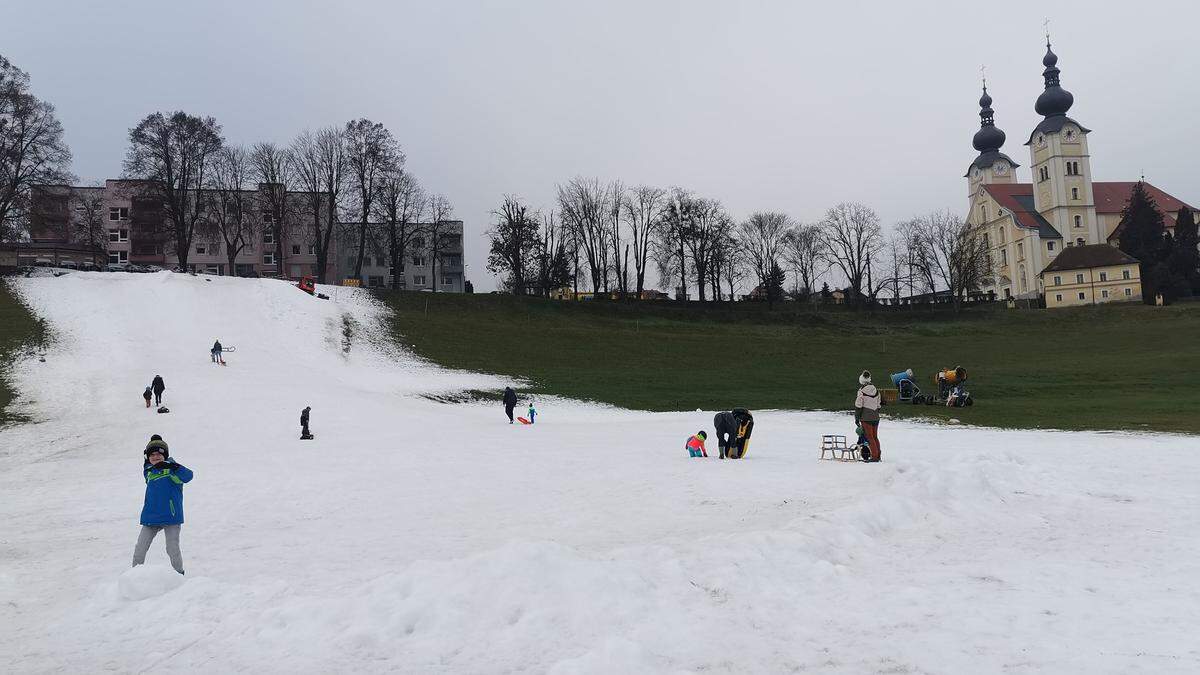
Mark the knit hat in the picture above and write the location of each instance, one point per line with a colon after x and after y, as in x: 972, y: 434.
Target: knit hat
x: 865, y: 378
x: 702, y: 434
x: 156, y: 444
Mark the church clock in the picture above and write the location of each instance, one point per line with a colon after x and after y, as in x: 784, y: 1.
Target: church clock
x: 1000, y: 168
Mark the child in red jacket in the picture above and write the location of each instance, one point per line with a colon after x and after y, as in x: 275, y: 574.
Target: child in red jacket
x: 695, y: 445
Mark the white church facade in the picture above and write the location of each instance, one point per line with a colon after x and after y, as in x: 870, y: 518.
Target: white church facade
x: 1026, y: 225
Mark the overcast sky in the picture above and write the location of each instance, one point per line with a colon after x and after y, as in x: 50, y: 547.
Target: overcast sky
x: 764, y: 105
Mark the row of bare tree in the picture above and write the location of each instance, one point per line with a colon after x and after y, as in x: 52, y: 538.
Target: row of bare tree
x: 606, y: 236
x: 351, y: 177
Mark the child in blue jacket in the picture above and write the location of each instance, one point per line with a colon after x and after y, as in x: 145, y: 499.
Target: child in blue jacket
x: 163, y: 506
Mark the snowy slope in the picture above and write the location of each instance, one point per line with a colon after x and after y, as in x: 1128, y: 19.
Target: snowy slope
x: 413, y: 536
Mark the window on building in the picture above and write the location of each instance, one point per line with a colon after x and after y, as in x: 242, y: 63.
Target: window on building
x: 418, y: 243
x: 1128, y: 292
x: 418, y: 261
x: 1104, y: 294
x: 1078, y: 221
x: 1020, y: 250
x: 987, y: 240
x: 1104, y: 276
x: 295, y: 249
x: 453, y: 261
x: 1058, y: 297
x: 268, y: 217
x: 118, y: 213
x: 268, y: 237
x: 200, y: 249
x: 269, y: 258
x: 1079, y: 278
x: 1000, y: 236
x: 1082, y: 296
x: 1044, y: 173
x: 1049, y: 246
x: 1057, y: 280
x: 312, y: 249
x: 1075, y: 193
x: 1125, y: 274
x: 1008, y: 292
x: 114, y: 235
x: 375, y: 282
x: 1003, y: 256
x: 419, y: 280
x: 118, y: 257
x: 983, y: 212
x: 447, y: 281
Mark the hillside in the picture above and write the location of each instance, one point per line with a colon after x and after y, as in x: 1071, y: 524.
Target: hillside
x: 417, y: 536
x: 1122, y: 367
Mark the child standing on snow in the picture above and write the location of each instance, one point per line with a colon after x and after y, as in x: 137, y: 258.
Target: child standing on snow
x: 695, y: 445
x: 532, y: 413
x: 147, y: 395
x: 162, y: 508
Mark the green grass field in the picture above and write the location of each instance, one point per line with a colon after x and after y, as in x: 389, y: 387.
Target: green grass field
x: 1114, y: 367
x: 18, y: 328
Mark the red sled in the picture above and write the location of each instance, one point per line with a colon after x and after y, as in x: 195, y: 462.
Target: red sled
x: 308, y: 284
x: 522, y: 420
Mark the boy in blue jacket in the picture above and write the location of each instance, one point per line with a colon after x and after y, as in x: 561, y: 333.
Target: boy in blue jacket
x: 163, y: 506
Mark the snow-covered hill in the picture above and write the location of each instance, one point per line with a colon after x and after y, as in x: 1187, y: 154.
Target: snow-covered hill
x: 413, y: 536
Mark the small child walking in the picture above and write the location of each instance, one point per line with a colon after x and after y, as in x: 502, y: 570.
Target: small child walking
x: 148, y: 394
x: 532, y: 413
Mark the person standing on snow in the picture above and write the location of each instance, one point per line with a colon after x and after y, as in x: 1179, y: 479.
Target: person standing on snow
x: 148, y: 394
x: 532, y: 413
x: 866, y: 412
x: 695, y: 444
x: 510, y: 403
x: 216, y: 352
x: 162, y: 508
x: 304, y: 434
x: 159, y: 387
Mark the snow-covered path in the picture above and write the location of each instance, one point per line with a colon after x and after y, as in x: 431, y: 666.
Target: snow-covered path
x: 413, y: 536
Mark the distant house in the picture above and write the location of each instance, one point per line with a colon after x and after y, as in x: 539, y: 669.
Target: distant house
x: 1089, y: 275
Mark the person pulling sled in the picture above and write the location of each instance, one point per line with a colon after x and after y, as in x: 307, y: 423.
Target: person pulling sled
x: 217, y: 351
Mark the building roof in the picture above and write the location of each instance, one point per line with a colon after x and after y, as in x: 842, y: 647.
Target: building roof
x: 1092, y: 255
x: 1111, y: 197
x: 1017, y: 199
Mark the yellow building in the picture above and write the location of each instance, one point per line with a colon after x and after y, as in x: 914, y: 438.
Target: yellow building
x: 1026, y: 226
x: 1090, y: 275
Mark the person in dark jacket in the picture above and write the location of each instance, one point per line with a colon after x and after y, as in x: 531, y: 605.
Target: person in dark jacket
x: 216, y: 352
x: 162, y: 509
x: 304, y: 433
x: 510, y: 402
x: 148, y: 394
x: 159, y: 387
x: 727, y: 425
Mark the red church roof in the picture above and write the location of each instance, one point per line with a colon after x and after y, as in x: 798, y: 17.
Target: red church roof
x: 1111, y: 197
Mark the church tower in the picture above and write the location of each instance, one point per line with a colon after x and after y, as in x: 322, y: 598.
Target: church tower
x: 991, y: 166
x: 1062, y: 170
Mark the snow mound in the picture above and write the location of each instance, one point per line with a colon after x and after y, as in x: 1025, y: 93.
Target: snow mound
x: 147, y: 581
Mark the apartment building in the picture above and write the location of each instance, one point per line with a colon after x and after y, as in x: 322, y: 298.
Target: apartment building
x: 129, y: 224
x: 418, y: 270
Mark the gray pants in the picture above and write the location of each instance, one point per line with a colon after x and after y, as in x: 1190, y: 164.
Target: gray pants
x: 147, y: 535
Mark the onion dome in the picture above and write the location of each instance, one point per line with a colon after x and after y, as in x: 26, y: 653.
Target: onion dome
x: 989, y: 137
x: 1055, y: 100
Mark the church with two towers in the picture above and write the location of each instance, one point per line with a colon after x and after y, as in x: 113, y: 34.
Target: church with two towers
x: 1027, y: 225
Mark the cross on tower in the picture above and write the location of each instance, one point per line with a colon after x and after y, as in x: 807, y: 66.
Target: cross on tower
x: 983, y: 74
x: 1046, y: 25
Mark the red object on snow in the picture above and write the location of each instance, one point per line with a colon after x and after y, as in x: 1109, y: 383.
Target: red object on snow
x: 308, y: 285
x: 522, y: 420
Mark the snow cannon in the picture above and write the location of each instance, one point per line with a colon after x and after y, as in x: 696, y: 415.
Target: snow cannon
x: 906, y: 387
x: 897, y: 378
x: 308, y: 285
x: 952, y: 376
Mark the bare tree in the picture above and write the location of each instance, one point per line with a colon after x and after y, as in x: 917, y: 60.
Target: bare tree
x: 273, y: 170
x: 584, y: 208
x: 669, y: 247
x: 89, y: 222
x: 172, y: 156
x: 762, y: 237
x: 439, y: 233
x: 230, y: 208
x: 643, y: 211
x: 319, y: 162
x: 617, y: 244
x: 703, y: 229
x: 370, y: 151
x: 400, y: 202
x: 852, y: 235
x: 32, y: 148
x: 553, y: 257
x: 802, y: 250
x: 950, y: 253
x: 734, y: 268
x: 515, y: 245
